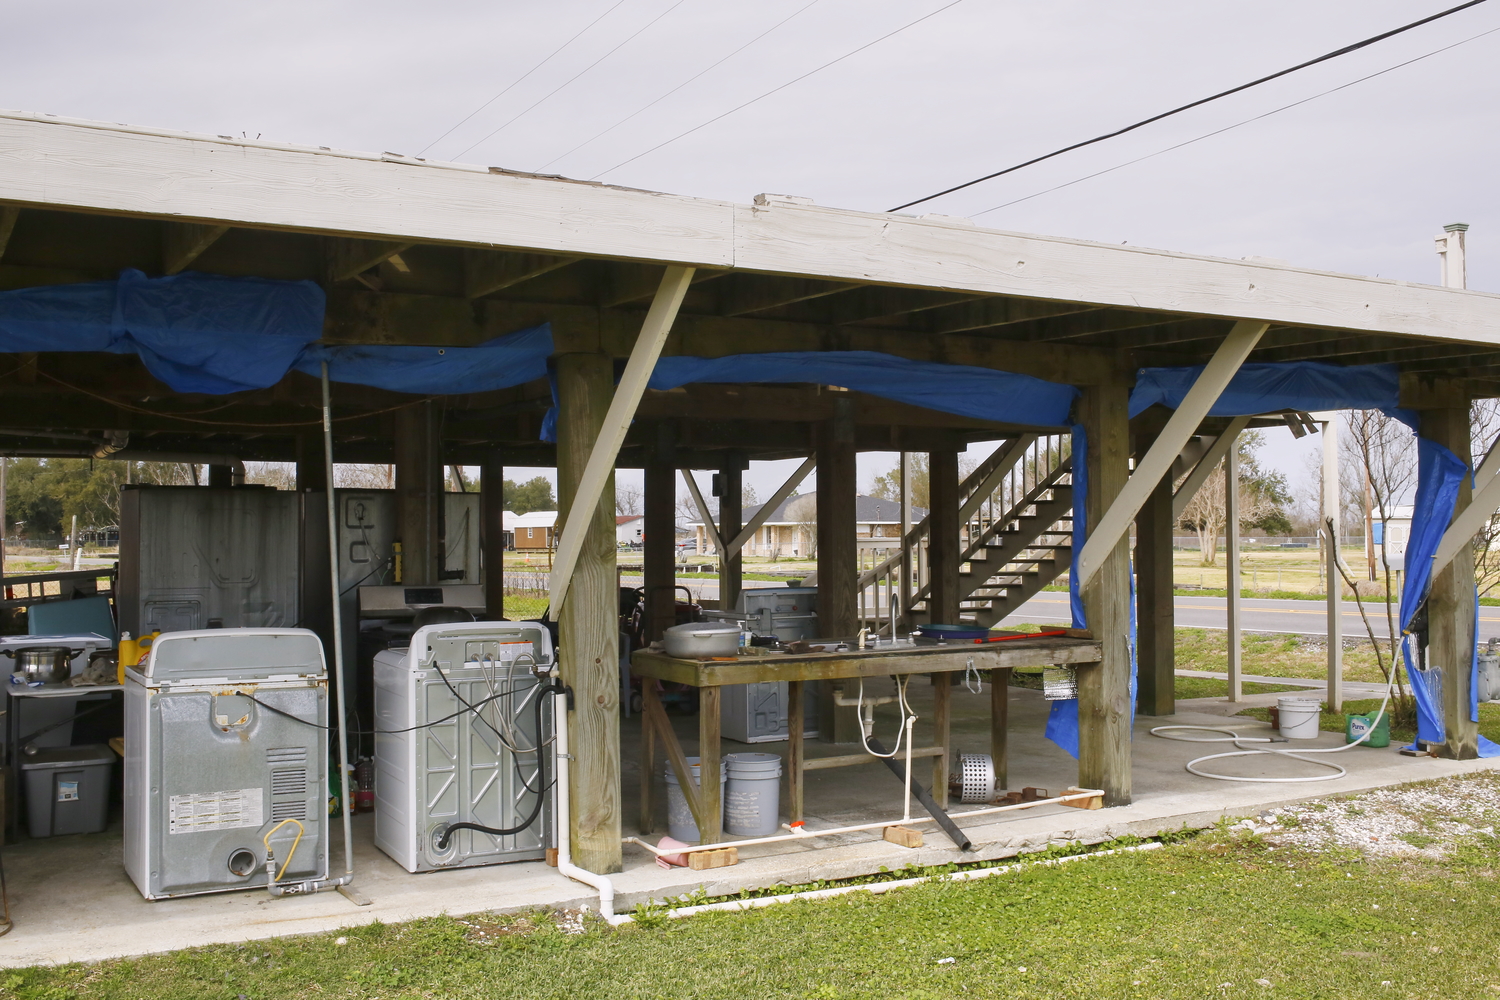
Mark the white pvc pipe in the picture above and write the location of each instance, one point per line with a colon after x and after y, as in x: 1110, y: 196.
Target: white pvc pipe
x: 877, y: 888
x: 338, y: 632
x: 560, y: 813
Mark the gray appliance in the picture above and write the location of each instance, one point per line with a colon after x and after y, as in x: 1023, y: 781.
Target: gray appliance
x: 758, y: 713
x: 438, y: 762
x: 193, y: 558
x: 226, y: 745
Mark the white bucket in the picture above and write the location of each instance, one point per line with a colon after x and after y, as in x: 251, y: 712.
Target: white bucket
x: 752, y: 796
x: 1299, y: 717
x: 680, y: 822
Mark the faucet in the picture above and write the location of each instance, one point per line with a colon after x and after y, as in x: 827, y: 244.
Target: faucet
x: 862, y: 633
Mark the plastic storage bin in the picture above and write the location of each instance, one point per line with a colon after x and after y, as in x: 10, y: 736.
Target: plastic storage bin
x: 67, y: 790
x: 680, y: 823
x: 752, y: 794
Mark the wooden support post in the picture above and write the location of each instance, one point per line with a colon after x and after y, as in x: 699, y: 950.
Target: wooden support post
x: 796, y: 726
x: 1155, y: 623
x: 651, y: 709
x: 906, y: 588
x: 942, y: 735
x: 1000, y: 726
x: 1104, y: 689
x: 220, y: 476
x: 710, y: 792
x: 1333, y: 605
x: 589, y: 636
x: 419, y: 492
x: 492, y: 533
x: 731, y: 520
x: 943, y: 548
x: 1234, y: 661
x: 659, y: 535
x: 311, y: 470
x: 837, y: 553
x: 1450, y: 602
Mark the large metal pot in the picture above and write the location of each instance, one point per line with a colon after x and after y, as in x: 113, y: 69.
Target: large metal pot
x: 699, y: 639
x: 48, y: 664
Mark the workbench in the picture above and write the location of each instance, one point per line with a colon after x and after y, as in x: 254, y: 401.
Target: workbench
x: 996, y: 659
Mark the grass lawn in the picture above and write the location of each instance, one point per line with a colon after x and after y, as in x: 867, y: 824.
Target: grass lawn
x: 1216, y: 916
x: 1210, y: 687
x: 1274, y: 655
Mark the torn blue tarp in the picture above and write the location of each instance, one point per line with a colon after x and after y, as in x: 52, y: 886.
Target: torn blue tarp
x: 195, y: 332
x: 499, y: 363
x: 1440, y: 476
x: 1269, y: 387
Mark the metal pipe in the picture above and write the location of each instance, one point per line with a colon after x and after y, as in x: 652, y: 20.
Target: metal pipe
x: 338, y: 629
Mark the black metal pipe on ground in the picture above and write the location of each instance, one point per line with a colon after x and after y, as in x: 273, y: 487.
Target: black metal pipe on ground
x: 933, y: 809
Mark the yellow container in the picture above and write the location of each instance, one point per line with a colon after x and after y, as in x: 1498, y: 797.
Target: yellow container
x: 128, y: 653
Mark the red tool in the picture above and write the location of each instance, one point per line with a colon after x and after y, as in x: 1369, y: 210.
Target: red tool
x: 1022, y: 635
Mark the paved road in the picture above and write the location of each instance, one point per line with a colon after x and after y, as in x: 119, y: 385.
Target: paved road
x: 1299, y: 617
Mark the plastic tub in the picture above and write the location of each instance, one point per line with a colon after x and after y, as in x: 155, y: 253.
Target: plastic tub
x: 752, y: 794
x: 1299, y: 717
x: 680, y: 823
x: 67, y: 790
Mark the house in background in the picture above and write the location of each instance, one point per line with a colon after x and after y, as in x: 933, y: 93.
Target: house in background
x: 629, y: 529
x: 791, y: 528
x: 535, y: 530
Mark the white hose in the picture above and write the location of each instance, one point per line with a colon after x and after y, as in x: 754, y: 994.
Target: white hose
x: 1230, y: 736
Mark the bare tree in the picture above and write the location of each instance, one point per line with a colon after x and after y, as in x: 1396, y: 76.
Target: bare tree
x: 1484, y: 433
x: 629, y: 499
x: 803, y: 512
x: 277, y: 475
x: 1207, y: 512
x: 364, y: 477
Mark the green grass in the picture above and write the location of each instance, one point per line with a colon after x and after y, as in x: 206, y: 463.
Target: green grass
x: 521, y: 609
x: 1207, y: 918
x: 1210, y: 687
x: 1334, y: 722
x: 1272, y: 655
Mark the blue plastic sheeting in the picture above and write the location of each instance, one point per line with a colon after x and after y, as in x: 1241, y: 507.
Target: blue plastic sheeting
x: 499, y: 363
x: 1440, y: 474
x: 980, y: 393
x: 195, y: 332
x: 1263, y: 388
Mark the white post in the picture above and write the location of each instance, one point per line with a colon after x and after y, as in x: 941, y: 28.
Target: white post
x: 73, y: 542
x: 627, y: 398
x: 1168, y: 445
x: 1453, y: 269
x: 1232, y: 564
x: 1330, y: 561
x: 340, y: 697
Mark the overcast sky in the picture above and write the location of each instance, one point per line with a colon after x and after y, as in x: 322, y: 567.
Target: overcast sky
x: 1357, y: 181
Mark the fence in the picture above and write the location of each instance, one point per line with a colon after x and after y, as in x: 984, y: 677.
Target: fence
x: 1267, y: 543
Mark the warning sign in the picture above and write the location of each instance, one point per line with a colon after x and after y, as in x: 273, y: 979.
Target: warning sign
x: 234, y: 809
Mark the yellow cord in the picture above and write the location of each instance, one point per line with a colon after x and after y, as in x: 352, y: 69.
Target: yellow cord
x: 272, y: 832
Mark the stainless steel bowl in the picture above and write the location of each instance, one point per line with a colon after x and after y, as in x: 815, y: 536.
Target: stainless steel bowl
x: 697, y: 639
x: 48, y: 664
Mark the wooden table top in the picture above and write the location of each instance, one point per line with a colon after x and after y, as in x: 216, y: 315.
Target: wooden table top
x: 755, y: 669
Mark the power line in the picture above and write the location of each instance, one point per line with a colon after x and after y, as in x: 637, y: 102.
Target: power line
x: 777, y: 90
x: 1247, y: 121
x: 1167, y: 114
x: 523, y: 76
x: 675, y: 89
x: 575, y: 76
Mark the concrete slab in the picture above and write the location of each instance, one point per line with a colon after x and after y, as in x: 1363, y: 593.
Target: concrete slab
x: 71, y: 900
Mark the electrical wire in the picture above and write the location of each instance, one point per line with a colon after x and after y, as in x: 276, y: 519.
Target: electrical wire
x: 777, y: 90
x: 663, y: 97
x: 1227, y: 128
x: 523, y: 76
x: 575, y: 76
x: 370, y: 732
x: 1198, y: 103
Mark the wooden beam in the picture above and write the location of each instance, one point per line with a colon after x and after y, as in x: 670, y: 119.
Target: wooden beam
x: 993, y: 312
x: 492, y: 533
x: 741, y: 294
x: 731, y: 514
x: 943, y: 547
x: 1072, y: 326
x: 1109, y: 529
x: 9, y: 214
x: 659, y: 532
x: 1155, y: 635
x: 183, y: 242
x: 488, y: 271
x: 350, y: 258
x: 1205, y: 466
x: 769, y: 507
x: 1104, y: 690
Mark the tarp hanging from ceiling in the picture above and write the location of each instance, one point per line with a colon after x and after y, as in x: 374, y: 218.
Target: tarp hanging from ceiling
x: 210, y: 334
x: 1268, y: 387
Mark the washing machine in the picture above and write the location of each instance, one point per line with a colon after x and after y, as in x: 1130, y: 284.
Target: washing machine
x: 226, y: 757
x: 459, y: 741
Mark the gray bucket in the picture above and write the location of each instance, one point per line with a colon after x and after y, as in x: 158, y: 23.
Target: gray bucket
x: 680, y: 823
x: 752, y: 797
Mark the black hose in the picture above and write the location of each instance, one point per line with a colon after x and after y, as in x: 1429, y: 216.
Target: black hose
x: 552, y: 688
x: 933, y: 809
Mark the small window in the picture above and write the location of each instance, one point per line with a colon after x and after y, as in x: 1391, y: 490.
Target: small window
x: 528, y: 532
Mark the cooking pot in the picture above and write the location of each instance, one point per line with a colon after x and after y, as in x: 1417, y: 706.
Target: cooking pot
x: 699, y: 639
x: 48, y: 664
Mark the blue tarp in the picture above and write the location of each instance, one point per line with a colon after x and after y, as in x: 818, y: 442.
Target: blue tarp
x: 210, y: 334
x: 1266, y: 388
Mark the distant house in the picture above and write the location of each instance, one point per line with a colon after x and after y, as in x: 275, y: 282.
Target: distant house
x: 629, y: 529
x: 791, y: 528
x: 1390, y: 537
x: 536, y: 530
